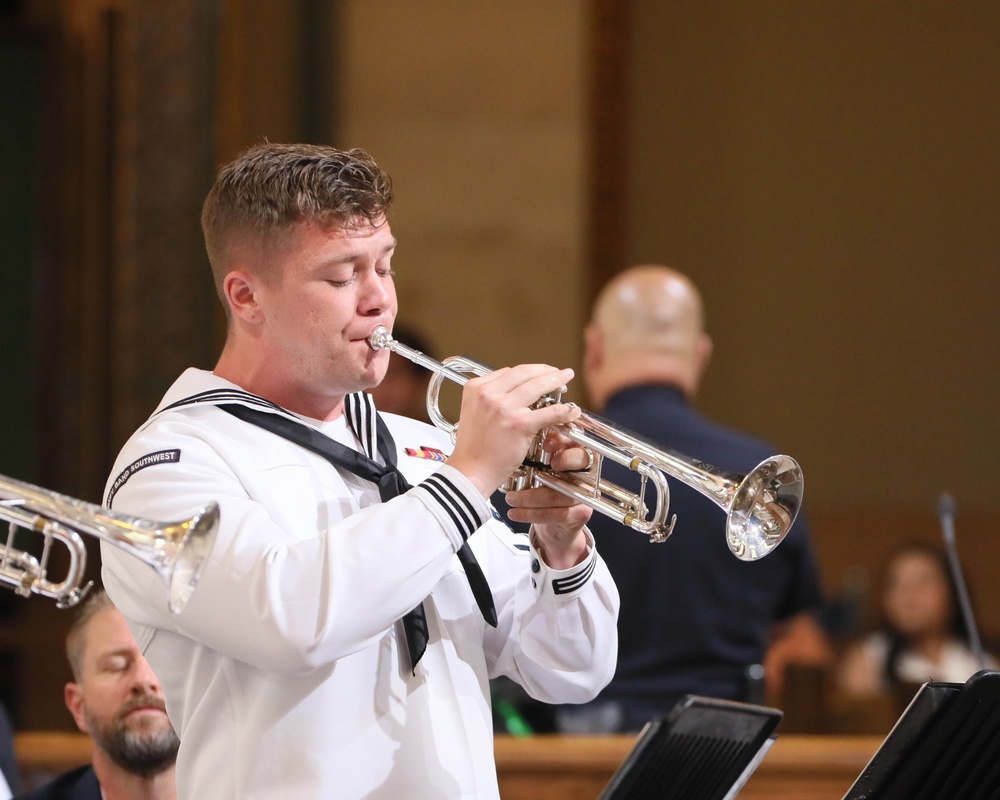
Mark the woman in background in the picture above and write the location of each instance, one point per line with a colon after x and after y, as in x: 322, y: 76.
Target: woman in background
x: 923, y: 636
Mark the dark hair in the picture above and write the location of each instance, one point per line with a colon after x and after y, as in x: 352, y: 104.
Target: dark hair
x: 898, y: 642
x: 97, y: 602
x: 271, y: 187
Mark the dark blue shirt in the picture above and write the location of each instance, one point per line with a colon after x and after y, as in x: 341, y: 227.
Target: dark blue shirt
x: 693, y: 616
x: 76, y: 784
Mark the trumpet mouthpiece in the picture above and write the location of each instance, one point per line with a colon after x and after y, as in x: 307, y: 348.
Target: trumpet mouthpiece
x: 380, y: 338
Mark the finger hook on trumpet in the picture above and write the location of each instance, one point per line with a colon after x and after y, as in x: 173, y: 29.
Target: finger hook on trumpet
x: 761, y: 506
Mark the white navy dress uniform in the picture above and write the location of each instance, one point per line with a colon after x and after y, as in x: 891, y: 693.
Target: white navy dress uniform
x: 286, y: 675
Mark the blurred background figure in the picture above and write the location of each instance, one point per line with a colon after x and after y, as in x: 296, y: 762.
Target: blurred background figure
x: 116, y: 699
x: 10, y: 776
x: 404, y: 389
x: 694, y: 619
x: 922, y: 635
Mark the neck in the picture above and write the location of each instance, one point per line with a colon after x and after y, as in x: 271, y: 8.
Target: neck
x: 613, y: 382
x: 930, y: 646
x: 119, y: 784
x: 266, y: 382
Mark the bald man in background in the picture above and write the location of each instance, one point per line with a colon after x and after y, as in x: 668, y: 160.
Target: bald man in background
x: 694, y: 619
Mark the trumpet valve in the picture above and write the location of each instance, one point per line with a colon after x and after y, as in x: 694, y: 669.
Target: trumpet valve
x: 28, y: 572
x: 517, y: 481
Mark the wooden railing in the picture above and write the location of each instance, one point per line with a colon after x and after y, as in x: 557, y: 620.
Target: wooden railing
x: 41, y: 755
x: 563, y: 767
x: 52, y: 751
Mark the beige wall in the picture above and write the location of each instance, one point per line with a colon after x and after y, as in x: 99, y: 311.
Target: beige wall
x: 826, y: 170
x: 829, y: 173
x: 476, y: 109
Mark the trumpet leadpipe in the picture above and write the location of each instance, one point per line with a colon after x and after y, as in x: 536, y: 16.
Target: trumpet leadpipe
x: 381, y: 339
x: 761, y: 506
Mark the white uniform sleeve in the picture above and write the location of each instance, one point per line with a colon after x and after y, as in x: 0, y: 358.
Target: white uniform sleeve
x: 557, y: 634
x: 297, y: 582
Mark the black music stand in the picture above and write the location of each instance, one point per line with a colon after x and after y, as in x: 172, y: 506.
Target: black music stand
x: 705, y: 749
x: 945, y: 746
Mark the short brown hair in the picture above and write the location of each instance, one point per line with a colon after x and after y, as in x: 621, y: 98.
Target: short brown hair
x: 76, y: 638
x: 271, y: 187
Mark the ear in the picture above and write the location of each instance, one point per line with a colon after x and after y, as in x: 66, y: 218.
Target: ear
x: 73, y: 695
x: 593, y: 347
x: 704, y: 354
x: 240, y: 290
x: 594, y: 362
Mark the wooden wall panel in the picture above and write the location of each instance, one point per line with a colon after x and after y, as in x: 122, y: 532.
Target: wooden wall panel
x: 828, y: 174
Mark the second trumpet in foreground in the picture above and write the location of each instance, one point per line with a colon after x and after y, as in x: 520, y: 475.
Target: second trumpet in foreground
x: 761, y: 505
x: 177, y: 551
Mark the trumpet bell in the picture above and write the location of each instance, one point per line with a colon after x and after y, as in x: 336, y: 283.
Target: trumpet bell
x: 193, y: 550
x: 177, y: 551
x: 763, y: 508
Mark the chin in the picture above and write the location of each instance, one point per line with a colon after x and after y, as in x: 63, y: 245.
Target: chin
x: 148, y: 723
x: 376, y: 375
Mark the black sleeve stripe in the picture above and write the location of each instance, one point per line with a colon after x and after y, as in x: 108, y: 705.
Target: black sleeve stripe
x: 447, y: 492
x: 462, y: 501
x: 573, y: 582
x: 440, y: 490
x: 463, y: 529
x: 461, y: 498
x: 444, y: 491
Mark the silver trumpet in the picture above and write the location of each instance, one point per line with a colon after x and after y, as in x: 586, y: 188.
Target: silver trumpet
x: 760, y: 506
x: 176, y: 550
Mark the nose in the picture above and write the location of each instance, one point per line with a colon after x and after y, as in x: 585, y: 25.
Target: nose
x: 144, y: 679
x: 376, y: 294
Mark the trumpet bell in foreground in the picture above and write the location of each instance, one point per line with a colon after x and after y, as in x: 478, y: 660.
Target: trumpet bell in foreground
x: 197, y: 535
x: 764, y: 507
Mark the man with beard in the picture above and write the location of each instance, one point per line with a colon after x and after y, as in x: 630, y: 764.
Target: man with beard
x: 116, y: 698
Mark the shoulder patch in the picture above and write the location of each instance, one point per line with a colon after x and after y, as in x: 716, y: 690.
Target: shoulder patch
x: 426, y: 452
x: 149, y: 460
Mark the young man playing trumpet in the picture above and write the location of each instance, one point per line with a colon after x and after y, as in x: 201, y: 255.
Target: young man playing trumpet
x: 341, y: 639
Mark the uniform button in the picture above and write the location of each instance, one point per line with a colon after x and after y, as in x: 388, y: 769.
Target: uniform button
x: 535, y: 566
